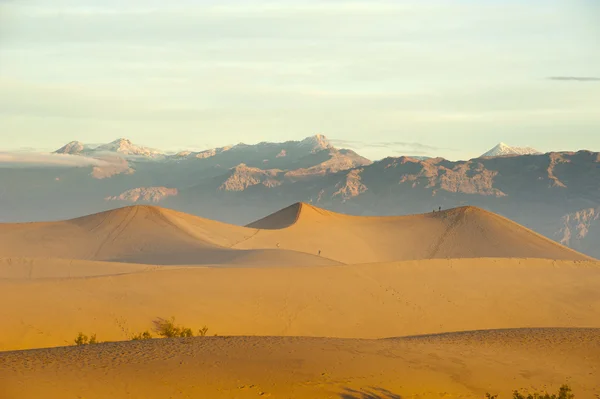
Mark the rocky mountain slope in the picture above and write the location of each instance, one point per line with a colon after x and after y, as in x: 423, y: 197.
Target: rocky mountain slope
x: 581, y: 230
x: 556, y: 194
x: 144, y: 194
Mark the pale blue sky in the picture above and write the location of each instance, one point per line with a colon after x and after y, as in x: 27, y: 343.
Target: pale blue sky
x: 456, y: 77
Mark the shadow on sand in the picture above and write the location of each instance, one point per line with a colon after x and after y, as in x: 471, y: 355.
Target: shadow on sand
x: 370, y: 393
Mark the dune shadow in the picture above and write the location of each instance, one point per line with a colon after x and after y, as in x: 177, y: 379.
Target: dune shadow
x: 369, y: 393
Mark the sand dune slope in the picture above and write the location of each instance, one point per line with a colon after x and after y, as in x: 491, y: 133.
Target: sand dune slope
x: 349, y: 301
x: 13, y: 269
x: 463, y: 365
x: 142, y: 234
x: 466, y: 232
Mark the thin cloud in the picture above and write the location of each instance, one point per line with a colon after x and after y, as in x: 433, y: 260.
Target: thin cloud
x: 576, y: 78
x: 20, y: 159
x: 397, y: 145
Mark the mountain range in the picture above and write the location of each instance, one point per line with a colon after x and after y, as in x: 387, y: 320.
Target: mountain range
x: 556, y: 194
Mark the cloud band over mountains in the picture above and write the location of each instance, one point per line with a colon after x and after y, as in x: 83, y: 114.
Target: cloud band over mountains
x: 16, y: 159
x: 397, y: 146
x: 576, y: 78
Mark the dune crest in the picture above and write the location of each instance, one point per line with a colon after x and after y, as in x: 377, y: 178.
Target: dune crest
x: 296, y: 213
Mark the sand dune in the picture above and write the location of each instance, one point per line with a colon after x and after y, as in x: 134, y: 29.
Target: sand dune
x: 298, y: 235
x: 454, y: 365
x: 145, y: 235
x: 466, y: 232
x: 349, y: 301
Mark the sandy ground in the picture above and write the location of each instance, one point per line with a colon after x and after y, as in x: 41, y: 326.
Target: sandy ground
x: 33, y: 269
x: 450, y: 366
x: 350, y: 301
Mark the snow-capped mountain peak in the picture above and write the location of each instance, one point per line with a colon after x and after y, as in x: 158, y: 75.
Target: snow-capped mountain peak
x: 503, y: 149
x: 72, y: 148
x: 317, y: 142
x: 120, y: 146
x: 126, y: 147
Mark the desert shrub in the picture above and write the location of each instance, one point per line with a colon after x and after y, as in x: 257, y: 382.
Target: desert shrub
x: 83, y: 339
x: 186, y: 332
x: 142, y: 336
x: 563, y: 393
x: 168, y: 329
x: 165, y: 328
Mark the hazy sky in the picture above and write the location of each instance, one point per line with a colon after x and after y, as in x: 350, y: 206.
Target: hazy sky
x: 439, y: 77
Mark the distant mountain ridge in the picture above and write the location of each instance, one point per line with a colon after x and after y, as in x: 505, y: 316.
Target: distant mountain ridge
x: 296, y: 159
x: 312, y: 145
x: 120, y: 146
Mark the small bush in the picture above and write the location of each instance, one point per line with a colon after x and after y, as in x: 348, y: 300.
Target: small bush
x: 142, y: 336
x: 168, y: 329
x: 202, y: 332
x: 83, y: 339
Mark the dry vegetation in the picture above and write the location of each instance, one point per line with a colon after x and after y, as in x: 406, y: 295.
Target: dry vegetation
x: 83, y: 339
x: 164, y: 328
x: 564, y: 392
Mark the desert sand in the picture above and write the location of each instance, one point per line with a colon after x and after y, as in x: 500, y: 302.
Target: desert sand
x: 306, y: 303
x: 448, y: 366
x: 348, y: 301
